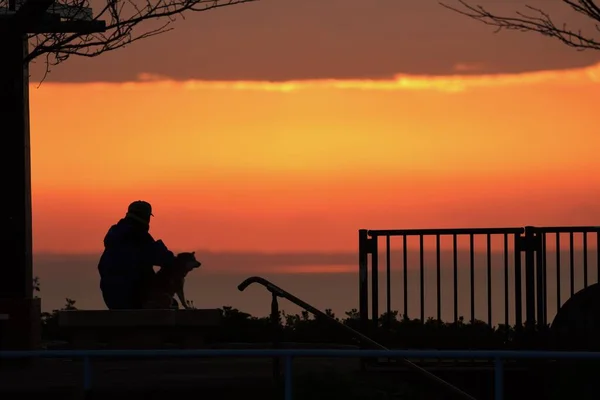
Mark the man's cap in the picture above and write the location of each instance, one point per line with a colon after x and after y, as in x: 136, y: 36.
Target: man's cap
x: 140, y: 210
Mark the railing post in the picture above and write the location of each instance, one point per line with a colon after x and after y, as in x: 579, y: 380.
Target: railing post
x: 518, y: 245
x: 363, y: 286
x: 498, y: 379
x: 363, y: 279
x: 87, y: 374
x: 288, y: 388
x: 530, y: 250
x: 276, y: 328
x: 374, y: 281
x: 539, y: 279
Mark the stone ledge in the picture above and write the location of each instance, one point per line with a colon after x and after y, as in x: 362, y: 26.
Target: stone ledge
x: 21, y: 328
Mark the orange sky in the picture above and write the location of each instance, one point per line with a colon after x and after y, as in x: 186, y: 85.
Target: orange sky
x: 303, y: 165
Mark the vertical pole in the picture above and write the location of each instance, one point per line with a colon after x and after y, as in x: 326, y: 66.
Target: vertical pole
x: 529, y: 276
x: 498, y: 379
x: 517, y: 238
x: 455, y: 275
x: 276, y: 326
x: 388, y: 281
x: 288, y: 389
x: 363, y: 286
x: 472, y: 274
x: 363, y: 279
x: 539, y: 279
x: 16, y: 282
x: 506, y: 285
x: 374, y: 281
x: 16, y: 286
x: 422, y: 278
x: 87, y: 374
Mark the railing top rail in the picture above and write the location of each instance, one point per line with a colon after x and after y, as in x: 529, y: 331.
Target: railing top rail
x: 480, y: 231
x: 445, y: 231
x: 568, y: 229
x: 270, y: 353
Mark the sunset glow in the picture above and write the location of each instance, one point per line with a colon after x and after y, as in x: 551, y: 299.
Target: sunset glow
x: 303, y: 165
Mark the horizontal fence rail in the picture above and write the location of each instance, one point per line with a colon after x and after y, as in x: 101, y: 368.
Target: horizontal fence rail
x: 289, y: 354
x: 510, y: 276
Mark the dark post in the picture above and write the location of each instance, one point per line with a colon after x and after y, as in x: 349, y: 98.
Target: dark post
x: 518, y: 243
x: 374, y: 282
x: 363, y: 279
x: 276, y: 329
x: 16, y: 285
x: 17, y: 277
x: 539, y: 279
x: 529, y: 276
x: 363, y: 286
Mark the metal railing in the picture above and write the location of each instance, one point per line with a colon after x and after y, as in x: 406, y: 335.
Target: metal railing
x: 549, y: 240
x: 289, y: 354
x: 276, y: 292
x: 512, y: 268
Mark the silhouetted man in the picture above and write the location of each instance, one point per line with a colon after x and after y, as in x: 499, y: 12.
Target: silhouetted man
x: 130, y: 253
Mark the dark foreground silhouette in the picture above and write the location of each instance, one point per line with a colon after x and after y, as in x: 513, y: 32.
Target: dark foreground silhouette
x: 576, y: 327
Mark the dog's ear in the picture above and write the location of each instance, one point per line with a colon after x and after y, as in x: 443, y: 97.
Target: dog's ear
x: 193, y: 253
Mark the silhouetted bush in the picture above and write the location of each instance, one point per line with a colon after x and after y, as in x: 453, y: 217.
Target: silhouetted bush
x: 395, y: 330
x: 239, y: 326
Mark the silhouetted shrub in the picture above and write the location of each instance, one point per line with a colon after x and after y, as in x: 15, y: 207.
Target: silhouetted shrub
x: 393, y: 330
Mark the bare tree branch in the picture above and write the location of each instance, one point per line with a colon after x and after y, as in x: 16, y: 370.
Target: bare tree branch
x: 537, y: 20
x: 127, y: 21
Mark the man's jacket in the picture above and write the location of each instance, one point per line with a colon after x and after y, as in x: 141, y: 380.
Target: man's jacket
x: 126, y: 265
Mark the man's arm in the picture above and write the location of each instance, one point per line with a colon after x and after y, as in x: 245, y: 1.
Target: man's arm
x: 160, y: 255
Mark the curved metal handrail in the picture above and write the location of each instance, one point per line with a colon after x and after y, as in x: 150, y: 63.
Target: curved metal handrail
x: 255, y: 279
x: 277, y: 291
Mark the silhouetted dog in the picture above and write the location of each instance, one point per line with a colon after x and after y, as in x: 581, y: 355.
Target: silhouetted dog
x: 169, y: 282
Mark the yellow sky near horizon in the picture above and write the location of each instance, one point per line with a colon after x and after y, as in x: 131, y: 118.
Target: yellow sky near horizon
x: 303, y: 165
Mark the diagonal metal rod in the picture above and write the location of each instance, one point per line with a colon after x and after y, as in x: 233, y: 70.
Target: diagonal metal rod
x: 276, y: 290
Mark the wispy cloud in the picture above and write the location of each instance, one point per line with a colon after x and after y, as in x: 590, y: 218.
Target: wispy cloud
x: 448, y: 83
x: 465, y: 78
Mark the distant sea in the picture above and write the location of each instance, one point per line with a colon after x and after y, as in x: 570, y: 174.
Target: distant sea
x: 215, y: 284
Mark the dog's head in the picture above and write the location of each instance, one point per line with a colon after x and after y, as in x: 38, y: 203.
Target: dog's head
x: 188, y: 261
